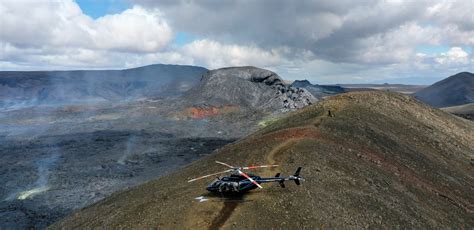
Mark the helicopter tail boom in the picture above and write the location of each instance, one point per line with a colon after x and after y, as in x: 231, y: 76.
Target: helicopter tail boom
x: 281, y: 180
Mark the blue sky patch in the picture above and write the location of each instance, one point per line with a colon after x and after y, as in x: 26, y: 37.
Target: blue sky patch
x: 99, y: 8
x: 432, y: 49
x: 183, y: 38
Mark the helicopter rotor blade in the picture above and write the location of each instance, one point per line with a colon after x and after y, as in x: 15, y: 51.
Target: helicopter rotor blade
x: 222, y: 163
x: 259, y: 166
x: 250, y: 178
x: 202, y: 177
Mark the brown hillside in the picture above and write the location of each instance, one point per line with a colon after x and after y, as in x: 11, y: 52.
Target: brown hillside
x: 379, y: 160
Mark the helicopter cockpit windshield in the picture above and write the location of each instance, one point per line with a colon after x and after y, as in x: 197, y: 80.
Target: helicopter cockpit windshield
x: 215, y: 181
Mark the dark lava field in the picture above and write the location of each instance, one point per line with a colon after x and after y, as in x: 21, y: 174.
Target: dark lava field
x: 58, y: 159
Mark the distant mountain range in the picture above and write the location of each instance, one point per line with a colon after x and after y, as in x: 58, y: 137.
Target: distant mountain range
x: 19, y: 88
x: 235, y: 85
x: 455, y: 90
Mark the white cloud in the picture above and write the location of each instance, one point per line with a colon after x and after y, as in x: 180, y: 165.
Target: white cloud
x: 213, y: 54
x: 133, y: 30
x: 331, y: 30
x: 454, y: 56
x: 397, y: 45
x: 53, y: 32
x: 453, y: 12
x: 328, y: 41
x: 216, y: 55
x: 62, y: 23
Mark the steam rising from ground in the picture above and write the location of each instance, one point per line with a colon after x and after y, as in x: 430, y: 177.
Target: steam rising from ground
x: 128, y: 150
x: 44, y: 168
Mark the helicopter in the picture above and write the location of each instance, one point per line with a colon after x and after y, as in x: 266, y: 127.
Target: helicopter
x: 240, y: 182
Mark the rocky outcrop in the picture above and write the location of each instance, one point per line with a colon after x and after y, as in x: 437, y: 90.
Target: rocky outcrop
x: 248, y: 87
x: 318, y: 91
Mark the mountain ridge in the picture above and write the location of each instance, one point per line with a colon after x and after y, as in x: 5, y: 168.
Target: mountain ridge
x: 27, y: 88
x: 370, y: 159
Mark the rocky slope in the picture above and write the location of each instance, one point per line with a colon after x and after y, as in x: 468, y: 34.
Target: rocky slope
x: 247, y: 87
x: 455, y: 90
x: 62, y: 87
x: 318, y: 91
x: 370, y: 159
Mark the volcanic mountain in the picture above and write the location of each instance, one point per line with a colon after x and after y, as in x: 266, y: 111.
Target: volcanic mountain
x: 319, y: 91
x: 247, y: 87
x: 59, y: 87
x: 370, y: 160
x: 455, y: 90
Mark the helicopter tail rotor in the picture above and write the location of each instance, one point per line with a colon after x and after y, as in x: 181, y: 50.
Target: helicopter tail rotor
x: 297, y: 173
x: 296, y: 176
x: 297, y: 181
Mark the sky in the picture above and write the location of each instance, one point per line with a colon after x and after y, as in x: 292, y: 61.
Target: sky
x: 324, y: 41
